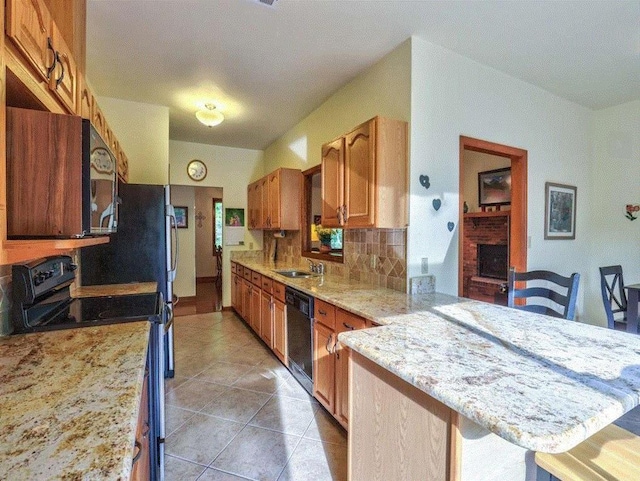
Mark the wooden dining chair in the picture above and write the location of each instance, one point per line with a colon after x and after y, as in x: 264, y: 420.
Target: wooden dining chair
x: 218, y: 256
x: 613, y: 296
x: 542, y: 287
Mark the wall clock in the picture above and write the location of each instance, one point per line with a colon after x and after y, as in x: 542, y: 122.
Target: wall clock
x: 197, y: 170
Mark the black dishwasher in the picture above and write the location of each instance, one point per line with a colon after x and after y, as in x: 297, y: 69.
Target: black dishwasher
x: 300, y: 336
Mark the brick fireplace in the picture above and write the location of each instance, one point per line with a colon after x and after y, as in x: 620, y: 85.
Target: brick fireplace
x: 488, y: 230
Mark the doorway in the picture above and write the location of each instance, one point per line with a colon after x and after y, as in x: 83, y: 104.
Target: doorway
x: 199, y: 278
x: 494, y: 225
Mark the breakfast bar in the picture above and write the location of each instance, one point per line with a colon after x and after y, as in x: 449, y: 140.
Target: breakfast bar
x: 540, y: 383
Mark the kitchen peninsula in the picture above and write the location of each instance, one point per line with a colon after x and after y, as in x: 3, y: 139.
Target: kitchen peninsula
x: 506, y: 382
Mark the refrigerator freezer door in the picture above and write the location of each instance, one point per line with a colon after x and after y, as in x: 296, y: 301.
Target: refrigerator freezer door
x: 171, y: 232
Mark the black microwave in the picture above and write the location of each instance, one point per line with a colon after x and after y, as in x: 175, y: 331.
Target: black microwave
x: 61, y: 177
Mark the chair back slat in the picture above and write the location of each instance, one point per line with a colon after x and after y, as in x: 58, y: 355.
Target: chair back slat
x: 613, y: 296
x: 565, y: 297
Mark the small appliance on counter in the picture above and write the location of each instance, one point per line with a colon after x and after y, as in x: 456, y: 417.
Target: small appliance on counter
x: 42, y: 302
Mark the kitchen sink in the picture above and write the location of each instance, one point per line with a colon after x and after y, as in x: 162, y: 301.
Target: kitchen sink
x: 296, y: 274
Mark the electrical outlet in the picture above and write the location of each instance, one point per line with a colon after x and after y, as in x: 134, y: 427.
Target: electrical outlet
x: 425, y: 265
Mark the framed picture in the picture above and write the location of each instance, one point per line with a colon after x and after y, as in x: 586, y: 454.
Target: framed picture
x: 559, y: 211
x: 494, y: 187
x: 234, y: 217
x: 182, y: 217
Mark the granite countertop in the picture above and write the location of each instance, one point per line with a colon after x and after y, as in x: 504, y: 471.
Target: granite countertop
x: 70, y: 402
x: 542, y: 383
x: 115, y: 289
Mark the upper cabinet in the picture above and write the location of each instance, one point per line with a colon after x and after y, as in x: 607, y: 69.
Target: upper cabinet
x: 274, y: 201
x: 37, y: 37
x: 364, y: 176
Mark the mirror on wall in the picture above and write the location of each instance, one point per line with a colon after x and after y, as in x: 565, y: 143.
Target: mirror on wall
x: 318, y: 242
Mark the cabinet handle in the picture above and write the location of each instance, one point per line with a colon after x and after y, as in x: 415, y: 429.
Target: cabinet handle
x: 328, y: 343
x: 138, y: 454
x: 59, y: 80
x: 320, y: 311
x: 51, y: 67
x: 348, y: 326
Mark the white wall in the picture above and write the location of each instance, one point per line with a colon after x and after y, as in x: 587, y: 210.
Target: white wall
x: 230, y: 169
x: 143, y: 133
x: 453, y: 96
x: 185, y: 283
x: 384, y: 90
x: 615, y: 183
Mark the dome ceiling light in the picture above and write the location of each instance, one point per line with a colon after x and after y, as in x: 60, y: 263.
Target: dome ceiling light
x: 209, y: 116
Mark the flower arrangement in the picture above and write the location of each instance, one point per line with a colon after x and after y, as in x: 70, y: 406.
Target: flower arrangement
x: 324, y: 234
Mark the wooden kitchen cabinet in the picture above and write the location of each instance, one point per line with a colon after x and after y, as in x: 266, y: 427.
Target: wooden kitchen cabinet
x: 141, y: 466
x: 324, y: 365
x: 345, y: 321
x: 36, y: 36
x: 246, y: 300
x: 85, y: 98
x: 280, y: 330
x: 266, y: 318
x: 255, y: 317
x: 274, y: 200
x: 27, y: 24
x: 364, y: 176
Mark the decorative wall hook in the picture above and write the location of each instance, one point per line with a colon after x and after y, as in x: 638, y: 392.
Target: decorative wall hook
x: 436, y: 204
x: 424, y: 181
x: 632, y: 211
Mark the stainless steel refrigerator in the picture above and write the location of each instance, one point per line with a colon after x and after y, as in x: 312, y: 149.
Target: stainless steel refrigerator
x: 144, y: 249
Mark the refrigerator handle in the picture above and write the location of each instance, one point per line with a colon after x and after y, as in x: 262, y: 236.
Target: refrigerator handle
x: 171, y: 213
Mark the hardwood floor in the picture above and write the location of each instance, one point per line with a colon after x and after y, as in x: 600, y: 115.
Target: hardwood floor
x: 208, y: 298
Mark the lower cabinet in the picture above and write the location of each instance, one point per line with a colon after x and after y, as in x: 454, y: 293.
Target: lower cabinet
x: 255, y: 316
x: 246, y: 301
x: 280, y: 330
x: 141, y: 466
x: 331, y: 361
x: 266, y: 318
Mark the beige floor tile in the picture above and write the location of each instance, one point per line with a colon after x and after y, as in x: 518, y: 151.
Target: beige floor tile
x: 215, y: 475
x: 259, y: 379
x: 175, y: 417
x: 201, y: 438
x: 316, y: 461
x: 290, y: 387
x: 237, y: 405
x: 257, y: 453
x: 180, y: 470
x: 223, y: 372
x: 284, y: 414
x: 174, y: 382
x: 194, y: 394
x: 326, y: 429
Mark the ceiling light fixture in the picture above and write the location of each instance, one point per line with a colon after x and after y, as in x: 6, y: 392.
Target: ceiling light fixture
x: 210, y: 116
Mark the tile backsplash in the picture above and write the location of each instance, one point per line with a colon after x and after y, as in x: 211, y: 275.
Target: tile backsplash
x: 374, y: 256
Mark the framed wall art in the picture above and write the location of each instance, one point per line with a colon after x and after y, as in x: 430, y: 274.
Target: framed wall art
x: 494, y: 187
x: 182, y: 217
x: 559, y: 211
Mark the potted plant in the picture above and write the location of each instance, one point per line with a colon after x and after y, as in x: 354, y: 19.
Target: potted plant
x: 324, y: 235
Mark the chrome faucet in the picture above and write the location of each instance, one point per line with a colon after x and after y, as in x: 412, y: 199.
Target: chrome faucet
x: 316, y: 268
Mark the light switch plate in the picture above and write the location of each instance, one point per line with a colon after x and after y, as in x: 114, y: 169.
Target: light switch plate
x: 425, y: 265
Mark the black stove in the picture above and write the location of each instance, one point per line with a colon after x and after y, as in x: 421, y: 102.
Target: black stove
x: 42, y: 301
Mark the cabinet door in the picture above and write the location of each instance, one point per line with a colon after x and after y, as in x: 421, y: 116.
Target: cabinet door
x: 265, y: 220
x: 64, y: 81
x: 239, y: 288
x: 280, y: 330
x: 324, y: 365
x: 28, y: 23
x: 246, y: 301
x: 98, y: 121
x: 234, y: 298
x: 359, y: 176
x: 85, y: 99
x: 274, y: 200
x: 266, y: 318
x: 332, y: 182
x: 255, y: 310
x: 253, y: 200
x: 345, y: 321
x: 140, y: 470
